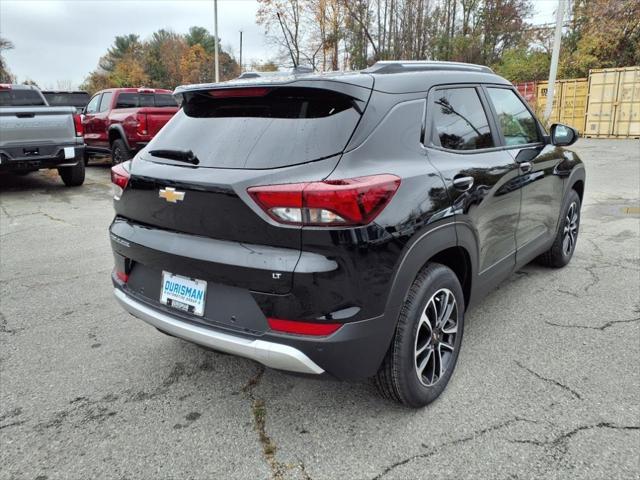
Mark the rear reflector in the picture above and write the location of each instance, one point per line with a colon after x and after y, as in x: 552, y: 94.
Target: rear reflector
x: 120, y: 179
x: 239, y: 92
x: 303, y: 328
x: 349, y: 202
x: 123, y: 277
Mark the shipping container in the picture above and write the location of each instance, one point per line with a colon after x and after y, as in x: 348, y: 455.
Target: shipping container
x: 541, y: 101
x: 613, y: 107
x: 528, y: 90
x: 573, y: 103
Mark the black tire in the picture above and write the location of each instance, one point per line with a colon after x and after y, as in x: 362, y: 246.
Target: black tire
x: 72, y: 176
x: 119, y: 152
x: 86, y: 158
x: 398, y: 378
x: 567, y: 236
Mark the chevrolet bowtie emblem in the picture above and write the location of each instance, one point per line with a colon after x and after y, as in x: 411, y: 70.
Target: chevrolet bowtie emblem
x: 170, y: 195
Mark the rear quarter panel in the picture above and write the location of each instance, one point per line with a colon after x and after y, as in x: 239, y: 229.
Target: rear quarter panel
x: 368, y: 258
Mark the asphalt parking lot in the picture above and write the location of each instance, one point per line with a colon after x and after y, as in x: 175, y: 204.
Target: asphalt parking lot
x: 547, y: 384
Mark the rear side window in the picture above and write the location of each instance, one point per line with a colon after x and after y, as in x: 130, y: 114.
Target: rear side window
x: 135, y: 100
x: 270, y: 128
x: 21, y: 98
x: 516, y: 123
x: 459, y: 120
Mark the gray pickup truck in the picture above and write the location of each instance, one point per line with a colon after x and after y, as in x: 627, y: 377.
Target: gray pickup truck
x: 34, y: 135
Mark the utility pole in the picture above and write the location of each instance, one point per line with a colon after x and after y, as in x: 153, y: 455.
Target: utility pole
x: 553, y: 69
x: 240, y: 51
x: 215, y: 37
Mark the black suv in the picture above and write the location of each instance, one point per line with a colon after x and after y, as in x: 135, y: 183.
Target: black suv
x: 342, y: 223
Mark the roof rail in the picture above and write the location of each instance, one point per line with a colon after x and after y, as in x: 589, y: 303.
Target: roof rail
x: 403, y: 66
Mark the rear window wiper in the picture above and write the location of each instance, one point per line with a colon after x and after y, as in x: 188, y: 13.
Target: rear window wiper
x: 178, y: 155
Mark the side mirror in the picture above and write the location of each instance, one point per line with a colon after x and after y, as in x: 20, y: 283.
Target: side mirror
x: 563, y: 135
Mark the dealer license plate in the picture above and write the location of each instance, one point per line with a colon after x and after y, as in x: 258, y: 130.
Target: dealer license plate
x: 186, y: 294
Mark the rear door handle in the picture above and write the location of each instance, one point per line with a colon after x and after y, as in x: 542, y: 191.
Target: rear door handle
x: 463, y: 183
x: 526, y: 167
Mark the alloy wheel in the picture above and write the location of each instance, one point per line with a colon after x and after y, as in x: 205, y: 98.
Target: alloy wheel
x: 570, y: 229
x: 117, y: 156
x: 435, y: 337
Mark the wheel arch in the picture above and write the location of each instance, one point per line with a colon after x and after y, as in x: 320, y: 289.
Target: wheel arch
x: 439, y: 245
x: 578, y: 186
x: 116, y: 132
x: 577, y: 180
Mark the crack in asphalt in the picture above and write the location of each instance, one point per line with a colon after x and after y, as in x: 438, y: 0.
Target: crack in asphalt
x: 602, y: 327
x: 16, y: 412
x: 559, y: 445
x: 269, y: 448
x: 567, y: 435
x: 595, y: 278
x: 568, y: 292
x: 550, y: 381
x: 433, y: 450
x: 13, y: 424
x: 56, y: 219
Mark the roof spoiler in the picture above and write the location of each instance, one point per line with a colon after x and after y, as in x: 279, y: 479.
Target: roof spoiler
x: 358, y: 87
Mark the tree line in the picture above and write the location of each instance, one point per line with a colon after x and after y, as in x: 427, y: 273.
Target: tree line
x: 164, y: 60
x: 353, y: 34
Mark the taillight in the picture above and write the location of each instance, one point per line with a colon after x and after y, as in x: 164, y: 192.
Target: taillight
x: 349, y: 202
x: 302, y: 328
x: 77, y: 123
x: 142, y: 123
x: 120, y: 178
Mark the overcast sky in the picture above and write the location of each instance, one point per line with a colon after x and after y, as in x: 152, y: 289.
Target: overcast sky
x: 63, y: 39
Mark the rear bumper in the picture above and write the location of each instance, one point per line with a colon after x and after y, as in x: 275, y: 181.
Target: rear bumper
x: 274, y: 355
x: 63, y: 156
x: 353, y: 352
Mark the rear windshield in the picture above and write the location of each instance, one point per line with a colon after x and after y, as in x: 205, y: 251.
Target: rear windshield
x: 135, y: 100
x: 21, y: 98
x: 67, y: 99
x: 275, y: 128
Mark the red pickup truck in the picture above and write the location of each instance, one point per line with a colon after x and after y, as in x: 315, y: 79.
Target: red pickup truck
x: 121, y: 121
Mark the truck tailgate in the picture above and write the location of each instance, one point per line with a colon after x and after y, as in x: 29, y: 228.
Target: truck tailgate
x: 36, y: 126
x: 157, y: 117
